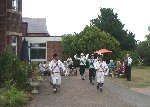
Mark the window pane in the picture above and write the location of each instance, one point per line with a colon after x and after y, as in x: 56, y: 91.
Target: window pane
x: 15, y: 4
x: 38, y: 53
x: 14, y: 39
x: 42, y: 44
x: 14, y: 49
x: 38, y: 44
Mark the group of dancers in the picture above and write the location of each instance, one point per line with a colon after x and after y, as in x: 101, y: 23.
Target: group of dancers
x: 97, y: 69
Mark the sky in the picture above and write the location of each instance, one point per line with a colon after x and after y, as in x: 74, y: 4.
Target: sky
x: 69, y: 16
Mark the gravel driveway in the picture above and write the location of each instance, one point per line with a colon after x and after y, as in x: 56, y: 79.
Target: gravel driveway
x: 75, y: 92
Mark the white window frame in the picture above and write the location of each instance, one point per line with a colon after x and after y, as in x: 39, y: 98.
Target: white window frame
x: 15, y: 5
x: 39, y: 48
x: 14, y: 43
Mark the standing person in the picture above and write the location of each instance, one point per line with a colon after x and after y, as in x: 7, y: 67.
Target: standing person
x: 82, y: 65
x: 111, y: 66
x: 100, y: 67
x: 128, y: 62
x: 55, y: 67
x: 91, y: 67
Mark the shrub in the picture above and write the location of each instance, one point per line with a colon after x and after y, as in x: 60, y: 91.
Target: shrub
x: 12, y: 97
x: 11, y: 68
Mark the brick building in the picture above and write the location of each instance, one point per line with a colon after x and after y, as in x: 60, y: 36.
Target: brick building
x: 41, y: 45
x: 12, y: 31
x: 10, y: 24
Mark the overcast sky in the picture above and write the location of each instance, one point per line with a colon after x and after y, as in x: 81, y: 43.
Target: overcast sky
x: 69, y: 16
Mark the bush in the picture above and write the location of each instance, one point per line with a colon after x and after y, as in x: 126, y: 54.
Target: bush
x: 11, y: 68
x: 12, y: 97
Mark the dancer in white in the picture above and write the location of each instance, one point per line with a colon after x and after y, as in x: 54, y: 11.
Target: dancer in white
x: 82, y: 64
x: 55, y: 67
x: 100, y: 67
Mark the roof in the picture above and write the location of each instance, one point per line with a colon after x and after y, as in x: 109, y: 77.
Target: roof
x: 36, y: 25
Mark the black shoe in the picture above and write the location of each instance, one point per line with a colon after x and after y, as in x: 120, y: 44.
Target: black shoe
x: 97, y: 86
x: 100, y: 89
x: 83, y: 78
x: 92, y: 83
x: 51, y: 83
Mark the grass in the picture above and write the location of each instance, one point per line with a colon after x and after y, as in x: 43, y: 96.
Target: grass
x: 140, y: 78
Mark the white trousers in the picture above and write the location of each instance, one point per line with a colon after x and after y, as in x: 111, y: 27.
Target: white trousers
x: 56, y: 78
x: 100, y: 77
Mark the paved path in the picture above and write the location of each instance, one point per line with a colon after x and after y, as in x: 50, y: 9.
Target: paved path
x: 75, y: 92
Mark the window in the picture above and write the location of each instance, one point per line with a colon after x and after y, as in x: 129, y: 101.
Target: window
x: 14, y: 44
x: 38, y: 51
x: 15, y: 5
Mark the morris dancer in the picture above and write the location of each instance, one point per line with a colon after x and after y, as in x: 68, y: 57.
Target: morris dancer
x: 82, y: 64
x: 91, y: 67
x: 55, y: 67
x: 100, y: 67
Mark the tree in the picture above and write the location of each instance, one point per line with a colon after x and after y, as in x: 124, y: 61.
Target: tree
x: 88, y: 41
x: 143, y: 48
x: 108, y: 21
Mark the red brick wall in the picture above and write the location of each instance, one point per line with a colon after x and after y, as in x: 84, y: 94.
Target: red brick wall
x: 14, y: 18
x: 9, y: 21
x: 54, y: 47
x: 24, y: 28
x: 2, y: 24
x: 19, y: 44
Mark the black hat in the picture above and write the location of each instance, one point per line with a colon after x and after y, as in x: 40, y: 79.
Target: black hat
x: 55, y: 55
x: 100, y: 56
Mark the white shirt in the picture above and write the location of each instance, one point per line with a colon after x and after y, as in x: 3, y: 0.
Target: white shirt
x: 100, y: 65
x: 55, y: 66
x: 82, y: 60
x: 129, y: 61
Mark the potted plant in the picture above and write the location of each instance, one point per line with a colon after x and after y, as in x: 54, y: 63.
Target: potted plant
x: 35, y: 81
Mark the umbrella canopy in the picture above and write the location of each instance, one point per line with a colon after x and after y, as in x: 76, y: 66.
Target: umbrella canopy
x: 24, y: 51
x: 101, y: 51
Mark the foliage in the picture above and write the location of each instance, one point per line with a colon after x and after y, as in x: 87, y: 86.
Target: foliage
x: 12, y: 97
x: 108, y: 21
x: 36, y: 75
x: 11, y: 68
x: 143, y: 48
x: 88, y: 41
x: 133, y: 54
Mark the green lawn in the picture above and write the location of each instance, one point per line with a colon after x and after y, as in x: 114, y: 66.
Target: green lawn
x: 140, y: 78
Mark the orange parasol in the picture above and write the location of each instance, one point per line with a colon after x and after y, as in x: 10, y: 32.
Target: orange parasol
x: 101, y: 51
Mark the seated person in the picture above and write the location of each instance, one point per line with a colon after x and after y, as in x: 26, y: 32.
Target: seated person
x: 118, y: 68
x: 42, y: 67
x: 70, y: 63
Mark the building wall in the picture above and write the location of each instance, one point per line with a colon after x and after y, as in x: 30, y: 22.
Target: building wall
x: 38, y: 34
x: 54, y: 47
x: 14, y: 18
x: 10, y: 23
x: 3, y: 7
x: 54, y: 44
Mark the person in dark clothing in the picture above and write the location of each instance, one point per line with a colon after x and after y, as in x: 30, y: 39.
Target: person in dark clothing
x: 92, y: 71
x: 128, y: 62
